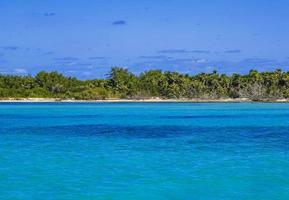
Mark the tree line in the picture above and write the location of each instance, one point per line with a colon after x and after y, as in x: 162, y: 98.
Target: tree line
x: 120, y: 84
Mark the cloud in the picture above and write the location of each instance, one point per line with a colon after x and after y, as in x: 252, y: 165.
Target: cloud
x: 233, y: 51
x: 154, y: 57
x: 10, y: 48
x: 49, y: 14
x: 173, y: 51
x: 200, y: 51
x: 48, y: 53
x: 20, y: 71
x: 199, y: 65
x: 119, y: 23
x: 162, y: 60
x: 98, y: 58
x: 260, y: 61
x: 69, y: 59
x: 173, y: 64
x: 86, y: 73
x: 244, y: 65
x: 26, y: 50
x: 180, y: 51
x: 181, y: 60
x: 84, y: 64
x: 200, y: 60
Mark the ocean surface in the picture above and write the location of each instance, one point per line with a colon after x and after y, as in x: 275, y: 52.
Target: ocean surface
x: 144, y: 151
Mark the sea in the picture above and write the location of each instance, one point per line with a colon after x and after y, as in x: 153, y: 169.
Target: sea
x: 144, y: 151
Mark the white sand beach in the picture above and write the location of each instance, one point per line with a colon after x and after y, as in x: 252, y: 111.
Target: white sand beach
x: 152, y: 100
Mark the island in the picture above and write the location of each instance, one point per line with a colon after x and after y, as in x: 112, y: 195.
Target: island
x: 121, y: 85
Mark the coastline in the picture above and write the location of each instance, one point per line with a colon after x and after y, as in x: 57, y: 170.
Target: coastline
x: 150, y: 100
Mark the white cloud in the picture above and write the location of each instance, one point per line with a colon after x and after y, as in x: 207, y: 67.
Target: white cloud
x: 20, y: 71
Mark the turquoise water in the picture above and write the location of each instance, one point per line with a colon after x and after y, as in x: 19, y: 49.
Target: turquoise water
x: 142, y: 151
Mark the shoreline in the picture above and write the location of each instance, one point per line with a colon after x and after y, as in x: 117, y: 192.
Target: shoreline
x: 151, y: 100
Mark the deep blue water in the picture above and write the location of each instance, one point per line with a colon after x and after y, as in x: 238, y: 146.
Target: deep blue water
x: 142, y: 151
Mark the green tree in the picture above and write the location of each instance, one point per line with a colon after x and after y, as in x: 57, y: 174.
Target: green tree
x: 123, y: 82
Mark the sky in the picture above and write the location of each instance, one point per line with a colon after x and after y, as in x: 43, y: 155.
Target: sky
x: 85, y: 38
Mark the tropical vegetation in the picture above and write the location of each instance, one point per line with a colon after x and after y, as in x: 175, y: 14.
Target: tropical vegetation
x: 122, y: 84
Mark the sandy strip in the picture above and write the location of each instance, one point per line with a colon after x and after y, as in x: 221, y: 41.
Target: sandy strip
x: 152, y: 100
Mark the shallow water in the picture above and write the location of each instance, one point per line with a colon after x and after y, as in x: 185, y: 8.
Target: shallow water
x: 144, y: 151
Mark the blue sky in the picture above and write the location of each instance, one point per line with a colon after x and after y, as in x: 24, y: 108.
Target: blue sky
x: 85, y: 38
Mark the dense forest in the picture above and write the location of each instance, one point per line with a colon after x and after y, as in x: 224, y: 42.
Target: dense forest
x: 122, y: 84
